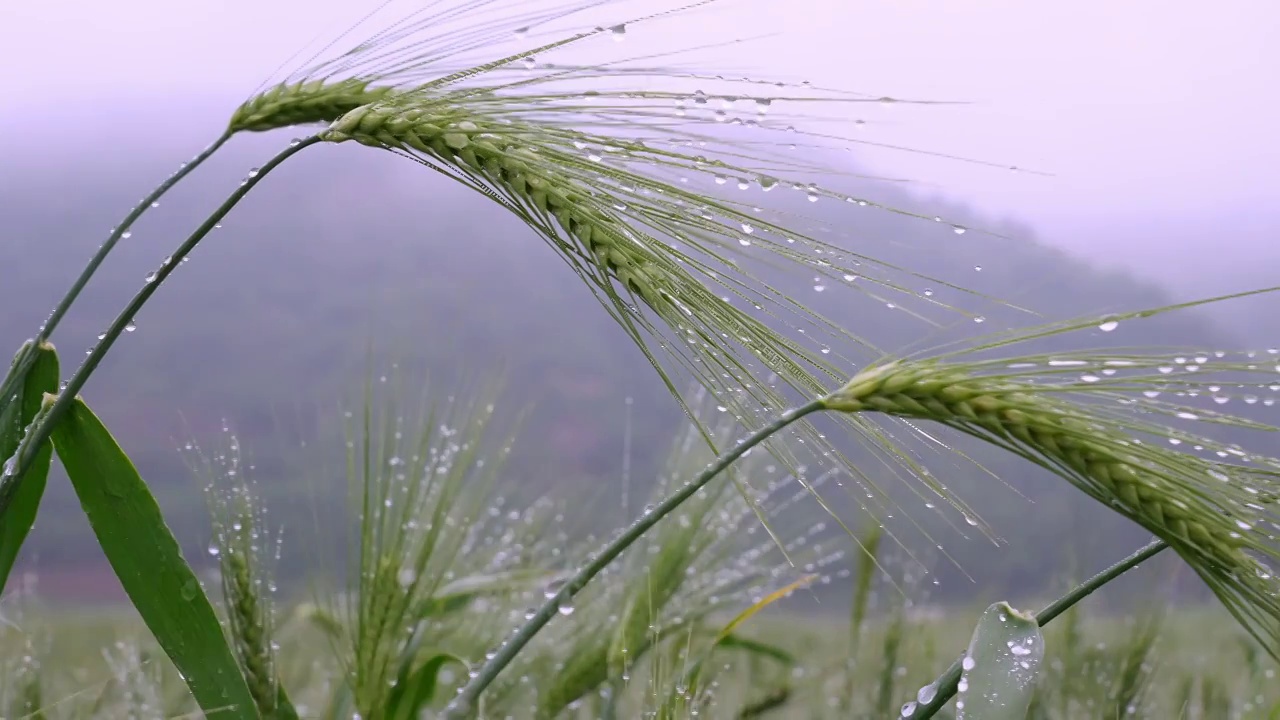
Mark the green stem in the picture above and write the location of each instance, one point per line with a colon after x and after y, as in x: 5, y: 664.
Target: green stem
x: 23, y: 363
x: 461, y: 705
x: 119, y: 231
x: 41, y: 430
x: 950, y: 680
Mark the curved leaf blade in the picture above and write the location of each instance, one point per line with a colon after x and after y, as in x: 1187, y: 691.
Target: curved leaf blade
x: 41, y: 376
x: 1001, y: 666
x: 416, y: 688
x: 147, y: 560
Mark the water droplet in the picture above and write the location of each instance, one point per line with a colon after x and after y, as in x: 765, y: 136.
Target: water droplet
x: 214, y: 551
x: 130, y: 327
x: 521, y: 32
x: 747, y: 228
x: 189, y: 590
x: 619, y: 32
x: 926, y: 694
x: 155, y: 204
x: 908, y: 710
x: 150, y: 278
x: 1109, y: 325
x: 968, y: 663
x: 565, y: 609
x: 958, y: 229
x: 126, y: 234
x: 253, y: 172
x: 979, y: 319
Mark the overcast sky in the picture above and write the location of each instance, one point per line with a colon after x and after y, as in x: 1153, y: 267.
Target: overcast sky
x: 1158, y: 120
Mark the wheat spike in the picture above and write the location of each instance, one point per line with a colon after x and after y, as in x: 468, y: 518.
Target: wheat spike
x: 303, y: 102
x: 245, y: 549
x: 1205, y: 510
x: 249, y: 630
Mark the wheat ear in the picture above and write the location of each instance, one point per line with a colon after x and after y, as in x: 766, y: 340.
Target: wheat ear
x: 303, y: 102
x: 246, y: 551
x: 1205, y: 510
x: 249, y: 629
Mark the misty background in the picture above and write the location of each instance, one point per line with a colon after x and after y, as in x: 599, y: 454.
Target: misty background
x: 1148, y: 128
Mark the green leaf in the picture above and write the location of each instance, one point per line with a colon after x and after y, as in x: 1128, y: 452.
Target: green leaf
x: 459, y: 593
x: 757, y: 648
x: 416, y: 688
x: 41, y: 376
x: 147, y: 560
x: 1001, y: 666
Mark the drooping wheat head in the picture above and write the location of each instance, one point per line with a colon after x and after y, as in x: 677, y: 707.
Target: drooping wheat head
x: 615, y: 191
x: 1088, y: 419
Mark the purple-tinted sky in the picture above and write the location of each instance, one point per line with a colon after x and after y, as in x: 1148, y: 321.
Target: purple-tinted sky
x: 1157, y: 119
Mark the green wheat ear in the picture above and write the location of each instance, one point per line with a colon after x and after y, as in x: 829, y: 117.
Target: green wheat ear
x: 1217, y: 510
x: 302, y: 103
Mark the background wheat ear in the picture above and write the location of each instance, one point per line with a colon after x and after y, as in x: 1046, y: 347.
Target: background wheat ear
x: 418, y: 478
x: 247, y: 550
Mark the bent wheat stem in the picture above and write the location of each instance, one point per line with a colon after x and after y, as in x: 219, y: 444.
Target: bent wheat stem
x: 461, y: 706
x: 949, y: 681
x: 121, y: 230
x: 41, y: 430
x: 23, y: 364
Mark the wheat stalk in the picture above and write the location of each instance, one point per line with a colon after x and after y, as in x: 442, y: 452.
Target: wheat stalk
x: 1215, y: 513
